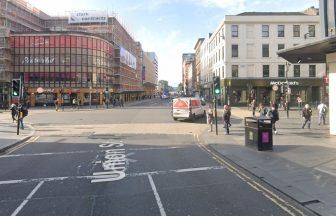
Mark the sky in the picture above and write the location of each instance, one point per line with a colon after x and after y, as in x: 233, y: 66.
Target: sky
x: 171, y: 27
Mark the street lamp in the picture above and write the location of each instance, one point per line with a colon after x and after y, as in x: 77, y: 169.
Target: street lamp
x: 90, y: 95
x: 288, y: 89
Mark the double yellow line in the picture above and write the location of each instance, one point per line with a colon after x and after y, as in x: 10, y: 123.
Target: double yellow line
x: 30, y: 140
x: 283, y: 204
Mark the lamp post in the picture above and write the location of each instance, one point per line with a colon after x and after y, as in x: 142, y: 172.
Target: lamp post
x: 288, y: 89
x: 90, y: 95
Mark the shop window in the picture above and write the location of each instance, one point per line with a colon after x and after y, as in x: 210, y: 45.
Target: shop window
x: 265, y: 50
x: 281, y: 70
x: 57, y: 41
x: 265, y: 70
x: 234, y: 70
x: 62, y: 41
x: 265, y: 30
x: 296, y: 30
x: 281, y: 31
x: 312, y: 70
x: 84, y: 42
x: 79, y: 42
x: 296, y: 70
x: 52, y: 41
x: 234, y: 30
x: 26, y: 41
x: 94, y: 46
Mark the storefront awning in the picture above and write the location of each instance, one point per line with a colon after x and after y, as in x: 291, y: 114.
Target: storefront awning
x: 314, y: 52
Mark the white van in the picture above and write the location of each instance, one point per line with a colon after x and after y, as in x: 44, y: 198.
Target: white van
x: 187, y: 108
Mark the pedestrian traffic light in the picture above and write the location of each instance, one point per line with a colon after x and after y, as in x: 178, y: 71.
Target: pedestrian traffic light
x: 216, y: 83
x: 16, y: 87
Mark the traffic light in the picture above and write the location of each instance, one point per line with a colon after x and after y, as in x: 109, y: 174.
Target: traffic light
x: 16, y: 87
x: 217, y: 88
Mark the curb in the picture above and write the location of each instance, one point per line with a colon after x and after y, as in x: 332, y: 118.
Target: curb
x: 3, y: 150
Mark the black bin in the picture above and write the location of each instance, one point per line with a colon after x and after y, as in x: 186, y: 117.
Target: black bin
x: 258, y: 133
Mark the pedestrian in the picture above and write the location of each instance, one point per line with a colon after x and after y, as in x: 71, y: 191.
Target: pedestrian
x: 210, y: 117
x: 114, y: 102
x: 56, y: 104
x: 78, y: 103
x: 121, y: 102
x: 322, y: 109
x: 262, y: 110
x: 253, y: 106
x: 306, y: 115
x: 14, y: 111
x: 274, y: 115
x: 23, y: 112
x: 74, y: 103
x: 299, y: 102
x: 226, y: 118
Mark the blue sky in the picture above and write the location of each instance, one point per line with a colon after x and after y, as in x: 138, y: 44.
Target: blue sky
x: 171, y: 27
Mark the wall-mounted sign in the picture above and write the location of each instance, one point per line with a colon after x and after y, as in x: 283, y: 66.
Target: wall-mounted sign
x: 293, y: 83
x: 127, y: 58
x: 38, y: 60
x: 88, y: 17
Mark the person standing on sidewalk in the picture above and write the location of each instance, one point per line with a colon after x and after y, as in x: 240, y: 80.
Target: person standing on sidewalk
x: 253, y: 106
x: 23, y: 112
x: 210, y: 117
x: 14, y: 112
x: 226, y: 118
x: 322, y: 109
x: 307, y: 112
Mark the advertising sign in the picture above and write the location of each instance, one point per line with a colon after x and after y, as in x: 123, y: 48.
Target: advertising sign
x: 127, y: 58
x: 87, y: 17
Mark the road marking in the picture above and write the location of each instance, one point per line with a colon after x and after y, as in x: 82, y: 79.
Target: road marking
x: 106, y: 174
x: 157, y: 197
x: 47, y: 153
x: 283, y: 204
x: 30, y: 140
x: 18, y: 209
x: 155, y: 148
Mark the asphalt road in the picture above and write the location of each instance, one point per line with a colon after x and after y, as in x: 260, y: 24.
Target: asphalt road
x: 122, y: 174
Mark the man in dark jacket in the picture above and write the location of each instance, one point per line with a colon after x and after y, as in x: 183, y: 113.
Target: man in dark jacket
x: 306, y: 115
x: 226, y: 118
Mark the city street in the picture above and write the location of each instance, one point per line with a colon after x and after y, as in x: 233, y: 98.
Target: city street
x: 130, y: 161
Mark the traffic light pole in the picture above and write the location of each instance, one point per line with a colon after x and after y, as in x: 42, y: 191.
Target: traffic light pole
x: 216, y: 123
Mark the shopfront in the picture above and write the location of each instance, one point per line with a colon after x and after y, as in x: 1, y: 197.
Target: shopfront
x: 240, y: 92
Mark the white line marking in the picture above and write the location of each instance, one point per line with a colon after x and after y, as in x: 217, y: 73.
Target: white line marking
x: 21, y: 181
x: 45, y: 154
x: 155, y: 148
x: 18, y: 209
x: 157, y: 197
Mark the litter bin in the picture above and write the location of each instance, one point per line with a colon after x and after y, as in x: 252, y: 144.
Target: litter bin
x: 258, y: 133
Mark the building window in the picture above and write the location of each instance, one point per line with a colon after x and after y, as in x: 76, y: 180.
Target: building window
x: 312, y: 70
x: 296, y: 70
x: 281, y: 31
x: 311, y: 30
x: 234, y: 70
x: 234, y: 50
x: 296, y: 30
x: 265, y: 50
x: 234, y: 31
x: 281, y: 46
x: 265, y: 70
x: 265, y: 30
x: 281, y: 70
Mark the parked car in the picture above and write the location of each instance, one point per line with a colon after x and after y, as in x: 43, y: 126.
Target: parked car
x: 187, y: 108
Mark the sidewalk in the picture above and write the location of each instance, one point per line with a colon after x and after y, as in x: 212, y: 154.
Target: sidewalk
x: 302, y: 164
x: 8, y: 136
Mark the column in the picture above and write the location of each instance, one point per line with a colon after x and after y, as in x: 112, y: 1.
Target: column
x: 331, y: 61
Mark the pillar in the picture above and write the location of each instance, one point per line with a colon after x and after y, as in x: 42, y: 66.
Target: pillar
x: 331, y: 61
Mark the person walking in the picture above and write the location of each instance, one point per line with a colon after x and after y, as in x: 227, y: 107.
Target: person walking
x: 14, y: 111
x: 274, y: 115
x: 322, y: 109
x: 56, y: 104
x: 74, y: 103
x: 226, y: 118
x: 262, y: 110
x: 210, y: 117
x: 23, y: 112
x: 307, y: 112
x: 253, y: 107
